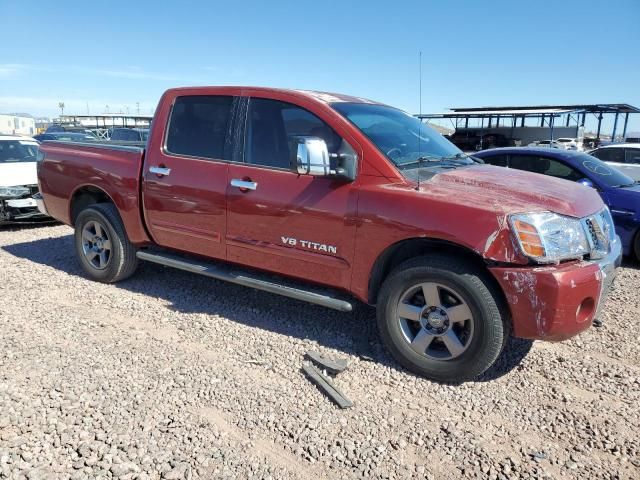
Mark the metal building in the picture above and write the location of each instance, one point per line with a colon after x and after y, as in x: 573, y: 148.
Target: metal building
x: 530, y: 123
x: 11, y: 124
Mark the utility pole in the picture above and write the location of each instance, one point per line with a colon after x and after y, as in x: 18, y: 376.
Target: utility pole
x: 137, y: 108
x: 61, y: 107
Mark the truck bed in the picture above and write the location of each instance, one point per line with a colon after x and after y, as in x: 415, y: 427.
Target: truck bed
x: 73, y: 169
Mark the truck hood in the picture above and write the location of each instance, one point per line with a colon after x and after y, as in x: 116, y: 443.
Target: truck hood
x: 508, y: 190
x: 16, y: 174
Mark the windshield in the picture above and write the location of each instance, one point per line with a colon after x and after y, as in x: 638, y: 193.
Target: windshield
x: 401, y: 137
x: 12, y: 151
x: 604, y: 173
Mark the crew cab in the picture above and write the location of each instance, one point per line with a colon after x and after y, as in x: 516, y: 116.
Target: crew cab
x: 334, y: 199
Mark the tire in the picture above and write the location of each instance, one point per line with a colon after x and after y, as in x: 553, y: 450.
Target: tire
x: 102, y: 246
x: 454, y: 341
x: 636, y: 247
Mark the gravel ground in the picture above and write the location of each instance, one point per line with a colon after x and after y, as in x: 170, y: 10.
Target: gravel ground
x: 171, y: 375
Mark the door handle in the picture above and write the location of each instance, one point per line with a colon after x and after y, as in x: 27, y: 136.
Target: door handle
x: 160, y: 171
x: 243, y: 184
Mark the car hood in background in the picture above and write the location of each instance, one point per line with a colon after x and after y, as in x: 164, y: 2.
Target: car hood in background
x: 516, y: 191
x: 18, y: 173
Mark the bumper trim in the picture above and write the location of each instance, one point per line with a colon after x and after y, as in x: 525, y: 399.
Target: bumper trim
x: 608, y: 266
x: 40, y: 204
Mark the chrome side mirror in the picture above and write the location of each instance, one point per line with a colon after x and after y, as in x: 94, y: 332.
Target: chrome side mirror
x: 310, y: 157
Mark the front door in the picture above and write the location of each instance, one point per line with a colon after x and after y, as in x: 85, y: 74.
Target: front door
x: 185, y: 181
x: 297, y: 225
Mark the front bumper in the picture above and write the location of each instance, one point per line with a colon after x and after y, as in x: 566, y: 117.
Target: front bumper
x: 19, y: 210
x: 556, y: 302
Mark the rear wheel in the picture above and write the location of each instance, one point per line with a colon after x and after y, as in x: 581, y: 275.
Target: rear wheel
x: 102, y: 246
x: 439, y: 318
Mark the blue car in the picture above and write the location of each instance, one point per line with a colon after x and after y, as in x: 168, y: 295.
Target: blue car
x: 618, y: 191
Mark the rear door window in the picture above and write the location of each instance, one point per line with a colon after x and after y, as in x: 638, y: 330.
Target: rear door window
x: 632, y: 155
x: 610, y: 154
x: 199, y: 127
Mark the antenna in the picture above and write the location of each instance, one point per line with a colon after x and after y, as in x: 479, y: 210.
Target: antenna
x: 420, y: 118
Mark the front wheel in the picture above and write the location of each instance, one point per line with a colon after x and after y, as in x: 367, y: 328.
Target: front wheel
x: 440, y: 318
x: 102, y: 246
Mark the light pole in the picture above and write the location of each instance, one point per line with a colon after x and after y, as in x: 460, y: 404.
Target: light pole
x: 61, y: 107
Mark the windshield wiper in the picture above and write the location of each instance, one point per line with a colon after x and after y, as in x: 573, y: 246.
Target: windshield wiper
x: 452, y: 160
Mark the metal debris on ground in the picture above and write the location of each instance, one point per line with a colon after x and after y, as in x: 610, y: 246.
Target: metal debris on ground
x: 327, y: 386
x: 334, y: 367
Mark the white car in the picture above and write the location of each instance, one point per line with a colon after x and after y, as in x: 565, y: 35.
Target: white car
x: 624, y: 156
x: 570, y: 143
x: 18, y: 179
x: 547, y: 144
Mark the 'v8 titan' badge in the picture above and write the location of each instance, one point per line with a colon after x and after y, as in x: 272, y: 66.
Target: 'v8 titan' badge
x: 319, y: 247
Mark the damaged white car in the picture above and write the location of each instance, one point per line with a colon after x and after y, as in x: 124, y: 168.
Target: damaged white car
x: 18, y: 179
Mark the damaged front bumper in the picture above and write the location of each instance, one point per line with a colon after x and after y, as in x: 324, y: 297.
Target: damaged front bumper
x: 19, y: 210
x: 556, y: 302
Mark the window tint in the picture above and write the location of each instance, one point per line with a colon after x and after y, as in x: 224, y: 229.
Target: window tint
x: 545, y: 166
x: 610, y: 154
x: 273, y: 124
x: 632, y: 155
x: 498, y: 160
x: 199, y: 126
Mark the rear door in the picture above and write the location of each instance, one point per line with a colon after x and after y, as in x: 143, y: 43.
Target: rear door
x: 297, y: 225
x: 611, y: 155
x: 185, y: 178
x: 632, y: 155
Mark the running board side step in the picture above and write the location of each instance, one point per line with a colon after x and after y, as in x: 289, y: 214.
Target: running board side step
x: 212, y: 270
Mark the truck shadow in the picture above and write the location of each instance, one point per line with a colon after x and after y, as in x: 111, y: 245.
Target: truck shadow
x: 17, y: 226
x: 352, y: 333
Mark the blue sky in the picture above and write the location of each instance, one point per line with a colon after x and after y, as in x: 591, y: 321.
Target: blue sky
x: 475, y: 53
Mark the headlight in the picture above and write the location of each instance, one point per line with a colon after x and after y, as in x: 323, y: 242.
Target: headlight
x: 12, y: 192
x: 548, y: 237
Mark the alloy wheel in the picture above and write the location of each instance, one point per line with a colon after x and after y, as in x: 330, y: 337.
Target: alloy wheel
x: 435, y: 321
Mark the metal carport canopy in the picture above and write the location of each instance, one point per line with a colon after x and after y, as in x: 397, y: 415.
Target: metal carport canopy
x: 542, y: 111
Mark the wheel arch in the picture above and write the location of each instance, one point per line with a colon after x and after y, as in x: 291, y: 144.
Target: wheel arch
x: 403, y: 250
x: 84, y: 196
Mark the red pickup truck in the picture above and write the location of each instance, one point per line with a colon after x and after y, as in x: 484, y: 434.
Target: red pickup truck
x: 330, y: 198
